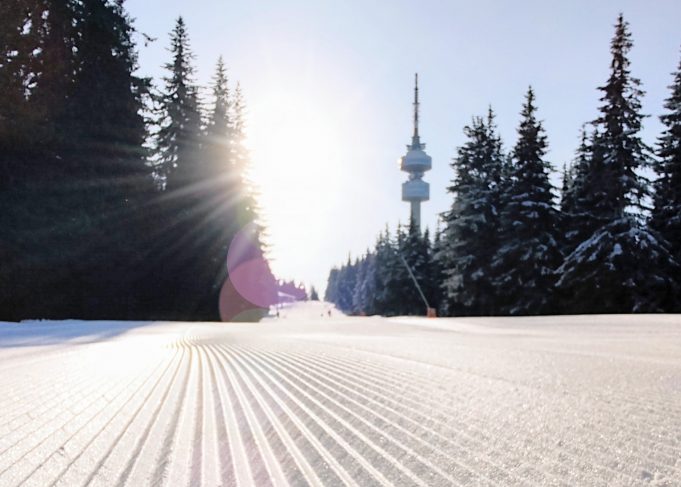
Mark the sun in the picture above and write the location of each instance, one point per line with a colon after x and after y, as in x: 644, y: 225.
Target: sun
x: 296, y: 149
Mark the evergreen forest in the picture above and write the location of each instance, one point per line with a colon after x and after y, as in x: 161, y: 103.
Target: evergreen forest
x: 607, y: 241
x: 119, y: 194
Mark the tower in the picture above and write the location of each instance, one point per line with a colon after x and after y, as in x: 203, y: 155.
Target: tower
x: 415, y: 163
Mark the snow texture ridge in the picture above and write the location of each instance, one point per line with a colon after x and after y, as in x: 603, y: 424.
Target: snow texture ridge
x: 312, y: 400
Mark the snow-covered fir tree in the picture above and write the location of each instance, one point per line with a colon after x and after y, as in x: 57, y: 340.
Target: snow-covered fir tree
x: 331, y: 293
x: 379, y: 282
x: 577, y: 223
x: 471, y: 226
x: 618, y: 142
x: 437, y: 275
x: 362, y: 296
x: 666, y: 214
x: 621, y: 267
x: 568, y: 177
x: 386, y: 264
x: 432, y: 276
x: 529, y: 252
x: 345, y: 286
x: 414, y: 249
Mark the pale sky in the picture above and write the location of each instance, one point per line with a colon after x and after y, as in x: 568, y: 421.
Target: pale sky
x: 328, y: 86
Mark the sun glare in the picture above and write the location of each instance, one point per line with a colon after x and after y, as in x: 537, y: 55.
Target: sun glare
x: 295, y: 146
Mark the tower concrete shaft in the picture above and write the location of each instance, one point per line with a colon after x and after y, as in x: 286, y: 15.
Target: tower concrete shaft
x: 416, y: 213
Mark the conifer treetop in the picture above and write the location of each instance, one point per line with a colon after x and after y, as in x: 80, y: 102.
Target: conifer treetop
x: 617, y: 144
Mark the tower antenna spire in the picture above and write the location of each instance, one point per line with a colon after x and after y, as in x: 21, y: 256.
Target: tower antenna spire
x: 416, y: 110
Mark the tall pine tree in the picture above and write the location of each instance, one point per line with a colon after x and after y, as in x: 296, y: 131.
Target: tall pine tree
x: 244, y: 193
x: 84, y: 173
x: 180, y: 245
x: 437, y: 271
x: 362, y: 297
x: 666, y: 215
x: 388, y: 275
x: 215, y: 212
x: 529, y: 252
x: 621, y: 267
x: 471, y: 226
x: 179, y: 133
x: 577, y: 223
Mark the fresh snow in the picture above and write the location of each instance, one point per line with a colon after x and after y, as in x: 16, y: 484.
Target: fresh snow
x: 308, y: 399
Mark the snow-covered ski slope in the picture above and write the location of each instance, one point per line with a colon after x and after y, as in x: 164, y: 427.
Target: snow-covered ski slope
x: 311, y: 400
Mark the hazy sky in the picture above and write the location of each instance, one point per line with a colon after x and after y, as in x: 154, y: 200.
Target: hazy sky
x: 329, y: 89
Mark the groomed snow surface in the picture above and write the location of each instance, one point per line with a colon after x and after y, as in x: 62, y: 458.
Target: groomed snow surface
x: 312, y: 400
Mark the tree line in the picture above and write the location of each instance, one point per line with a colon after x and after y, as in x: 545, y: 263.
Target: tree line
x: 507, y: 247
x: 379, y: 282
x: 119, y: 195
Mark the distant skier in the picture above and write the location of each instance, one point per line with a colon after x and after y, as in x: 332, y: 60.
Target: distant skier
x: 329, y: 312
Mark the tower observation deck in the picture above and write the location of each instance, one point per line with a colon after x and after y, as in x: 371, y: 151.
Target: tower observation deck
x: 415, y: 163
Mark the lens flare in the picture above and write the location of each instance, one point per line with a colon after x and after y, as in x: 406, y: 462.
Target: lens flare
x: 250, y: 287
